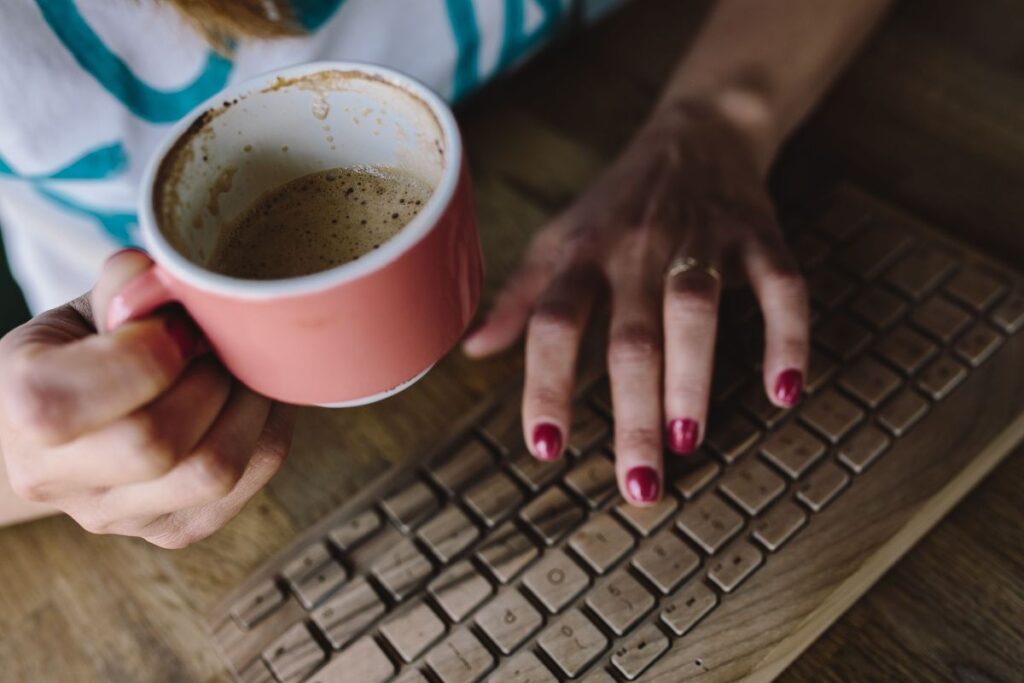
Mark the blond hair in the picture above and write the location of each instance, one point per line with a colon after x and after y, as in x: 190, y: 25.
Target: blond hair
x: 222, y: 22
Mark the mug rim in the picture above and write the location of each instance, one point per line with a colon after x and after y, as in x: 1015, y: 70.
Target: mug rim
x: 168, y: 258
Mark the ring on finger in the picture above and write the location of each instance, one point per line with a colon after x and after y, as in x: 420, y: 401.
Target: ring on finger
x: 686, y: 264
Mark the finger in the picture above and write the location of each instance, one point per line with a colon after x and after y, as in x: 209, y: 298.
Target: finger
x: 690, y: 316
x: 55, y: 393
x: 120, y: 269
x: 507, y: 318
x: 208, y: 473
x: 634, y: 367
x: 782, y: 294
x: 552, y: 345
x: 188, y: 526
x: 143, y: 446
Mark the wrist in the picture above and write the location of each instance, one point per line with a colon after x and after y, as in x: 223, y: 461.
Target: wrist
x: 746, y: 112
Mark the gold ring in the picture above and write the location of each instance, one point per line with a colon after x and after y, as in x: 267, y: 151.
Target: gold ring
x: 684, y: 264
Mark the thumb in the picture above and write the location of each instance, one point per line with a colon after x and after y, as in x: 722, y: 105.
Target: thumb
x: 117, y: 272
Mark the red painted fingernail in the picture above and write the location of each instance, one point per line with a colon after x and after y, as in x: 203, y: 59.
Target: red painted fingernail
x: 642, y: 484
x: 184, y: 333
x: 683, y: 435
x: 789, y: 386
x: 547, y: 441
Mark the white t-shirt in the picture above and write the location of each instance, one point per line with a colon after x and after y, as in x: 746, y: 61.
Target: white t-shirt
x: 88, y: 88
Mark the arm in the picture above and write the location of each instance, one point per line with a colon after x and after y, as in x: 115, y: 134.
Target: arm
x: 684, y: 201
x: 764, y: 65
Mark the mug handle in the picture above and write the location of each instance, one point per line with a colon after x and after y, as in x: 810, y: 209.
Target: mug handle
x: 141, y: 296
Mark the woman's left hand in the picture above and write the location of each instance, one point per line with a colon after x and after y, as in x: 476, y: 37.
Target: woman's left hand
x: 683, y: 204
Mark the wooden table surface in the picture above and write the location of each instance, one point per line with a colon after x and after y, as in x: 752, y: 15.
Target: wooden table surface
x: 931, y: 116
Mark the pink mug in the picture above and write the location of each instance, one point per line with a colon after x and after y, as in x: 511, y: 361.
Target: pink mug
x: 350, y: 335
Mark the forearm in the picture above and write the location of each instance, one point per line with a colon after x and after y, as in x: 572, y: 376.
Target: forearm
x: 763, y: 64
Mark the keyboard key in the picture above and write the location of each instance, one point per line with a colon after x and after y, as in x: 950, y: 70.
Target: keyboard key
x: 691, y: 604
x: 411, y: 676
x: 906, y: 349
x: 735, y: 564
x: 588, y: 429
x: 792, y: 449
x: 646, y: 520
x: 294, y: 655
x: 920, y: 271
x: 536, y: 473
x: 842, y: 337
x: 572, y: 642
x: 600, y: 396
x: 874, y: 250
x: 257, y: 604
x: 348, y: 612
x: 509, y: 620
x: 666, y: 561
x: 449, y: 533
x: 507, y: 552
x: 504, y: 427
x: 808, y: 250
x: 779, y: 525
x: 976, y: 288
x: 828, y: 288
x: 552, y: 515
x: 494, y: 499
x: 863, y: 448
x: 831, y: 415
x: 942, y: 376
x: 257, y: 672
x: 842, y: 220
x: 869, y: 381
x: 1009, y: 315
x: 412, y: 632
x: 823, y: 485
x: 350, y: 534
x: 880, y: 309
x: 620, y: 601
x: 709, y: 522
x: 725, y: 380
x: 978, y: 343
x: 732, y: 437
x: 593, y: 478
x: 460, y: 659
x: 556, y: 580
x: 317, y: 585
x: 696, y: 479
x: 460, y: 589
x: 523, y: 668
x: 755, y: 402
x: 599, y: 676
x: 819, y: 371
x: 601, y: 542
x: 941, y: 318
x: 465, y: 466
x: 639, y: 651
x: 903, y: 412
x: 363, y: 661
x: 401, y: 569
x: 410, y: 506
x: 752, y: 485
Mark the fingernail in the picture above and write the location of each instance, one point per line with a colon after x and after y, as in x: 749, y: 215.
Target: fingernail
x: 126, y: 250
x: 788, y: 387
x: 642, y: 484
x: 547, y: 441
x: 683, y: 435
x: 184, y: 333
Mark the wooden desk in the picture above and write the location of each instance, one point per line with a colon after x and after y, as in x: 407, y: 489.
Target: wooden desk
x: 932, y: 115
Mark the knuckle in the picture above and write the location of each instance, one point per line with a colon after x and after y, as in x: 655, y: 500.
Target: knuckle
x: 789, y: 282
x: 153, y: 447
x: 689, y: 304
x: 181, y: 536
x: 215, y: 473
x: 93, y: 522
x: 554, y: 318
x: 25, y: 484
x: 34, y: 406
x: 639, y: 440
x: 546, y: 398
x: 636, y: 343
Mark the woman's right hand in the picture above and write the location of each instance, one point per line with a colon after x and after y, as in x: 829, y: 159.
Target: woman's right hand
x: 132, y: 431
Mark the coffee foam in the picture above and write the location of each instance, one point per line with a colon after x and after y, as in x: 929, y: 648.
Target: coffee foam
x: 319, y: 221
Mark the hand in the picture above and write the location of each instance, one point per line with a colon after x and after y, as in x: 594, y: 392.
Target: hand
x: 688, y: 186
x: 134, y: 431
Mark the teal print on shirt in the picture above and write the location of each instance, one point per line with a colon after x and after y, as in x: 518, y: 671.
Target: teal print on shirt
x: 462, y: 18
x: 312, y: 14
x: 118, y: 224
x: 101, y: 162
x: 146, y: 102
x: 518, y: 42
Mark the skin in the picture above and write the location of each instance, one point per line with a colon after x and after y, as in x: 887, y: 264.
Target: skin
x: 136, y: 432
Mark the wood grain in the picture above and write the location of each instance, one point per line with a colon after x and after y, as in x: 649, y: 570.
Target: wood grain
x: 929, y: 117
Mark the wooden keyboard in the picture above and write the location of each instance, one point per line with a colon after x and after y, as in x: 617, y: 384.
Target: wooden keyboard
x: 480, y: 562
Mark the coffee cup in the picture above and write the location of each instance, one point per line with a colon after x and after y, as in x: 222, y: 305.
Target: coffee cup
x: 352, y: 334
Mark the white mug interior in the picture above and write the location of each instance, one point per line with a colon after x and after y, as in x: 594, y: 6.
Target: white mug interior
x: 298, y: 121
